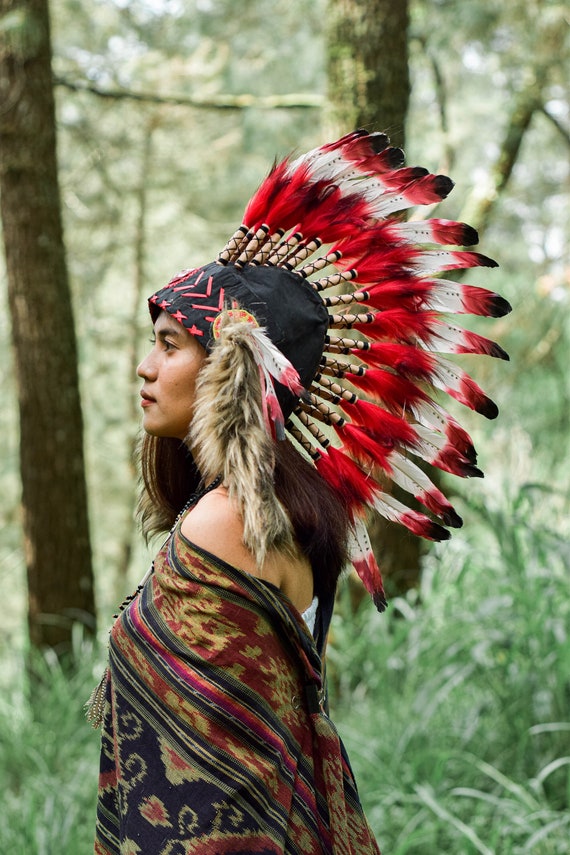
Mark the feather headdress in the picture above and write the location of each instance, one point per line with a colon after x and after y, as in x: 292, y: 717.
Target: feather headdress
x: 351, y: 297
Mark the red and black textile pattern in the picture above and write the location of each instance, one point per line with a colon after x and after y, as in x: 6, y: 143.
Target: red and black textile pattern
x: 214, y: 739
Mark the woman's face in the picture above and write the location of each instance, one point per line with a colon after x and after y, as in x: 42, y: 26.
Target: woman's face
x: 169, y: 373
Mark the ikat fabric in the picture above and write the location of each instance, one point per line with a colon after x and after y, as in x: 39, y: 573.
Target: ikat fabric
x: 215, y: 740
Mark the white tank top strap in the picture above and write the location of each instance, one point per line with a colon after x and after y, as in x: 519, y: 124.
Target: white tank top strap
x: 310, y: 614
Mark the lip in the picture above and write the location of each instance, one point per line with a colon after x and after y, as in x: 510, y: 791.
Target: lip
x: 146, y: 399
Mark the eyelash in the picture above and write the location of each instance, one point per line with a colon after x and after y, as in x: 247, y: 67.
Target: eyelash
x: 168, y: 345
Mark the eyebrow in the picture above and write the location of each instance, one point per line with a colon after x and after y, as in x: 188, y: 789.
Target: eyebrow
x: 168, y: 331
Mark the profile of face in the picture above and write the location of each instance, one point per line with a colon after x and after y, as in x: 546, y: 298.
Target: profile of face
x: 169, y: 372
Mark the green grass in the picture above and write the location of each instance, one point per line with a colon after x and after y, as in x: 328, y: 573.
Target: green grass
x: 454, y: 705
x: 48, y: 758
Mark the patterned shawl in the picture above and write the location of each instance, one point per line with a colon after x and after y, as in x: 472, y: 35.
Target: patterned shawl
x: 215, y: 740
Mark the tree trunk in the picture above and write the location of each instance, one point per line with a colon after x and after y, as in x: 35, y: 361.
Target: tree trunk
x: 54, y: 496
x: 369, y: 86
x: 367, y: 66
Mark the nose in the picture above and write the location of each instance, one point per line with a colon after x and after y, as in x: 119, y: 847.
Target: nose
x: 147, y: 368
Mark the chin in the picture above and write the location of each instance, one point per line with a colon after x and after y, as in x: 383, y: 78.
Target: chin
x: 165, y: 431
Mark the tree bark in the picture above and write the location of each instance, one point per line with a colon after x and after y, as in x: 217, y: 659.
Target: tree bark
x: 54, y: 496
x: 367, y: 66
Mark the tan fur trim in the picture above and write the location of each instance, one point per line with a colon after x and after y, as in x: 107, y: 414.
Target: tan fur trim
x: 228, y: 436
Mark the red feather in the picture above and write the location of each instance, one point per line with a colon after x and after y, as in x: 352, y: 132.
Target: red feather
x: 441, y: 295
x: 416, y: 522
x: 347, y: 478
x: 427, y: 190
x: 370, y: 239
x: 365, y: 564
x: 405, y: 294
x: 437, y: 231
x: 448, y: 339
x: 397, y: 393
x: 384, y: 426
x: 369, y: 573
x: 470, y: 394
x: 362, y: 146
x: 259, y: 205
x: 400, y: 179
x: 295, y: 195
x: 435, y: 501
x: 344, y: 142
x: 390, y: 158
x: 395, y: 263
x: 371, y: 152
x: 362, y: 446
x: 480, y: 301
x: 399, y: 325
x: 430, y: 260
x: 424, y: 527
x: 408, y: 361
x: 415, y: 364
x: 450, y: 232
x: 335, y: 217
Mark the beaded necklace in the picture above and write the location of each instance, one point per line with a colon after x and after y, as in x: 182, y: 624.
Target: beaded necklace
x: 94, y: 708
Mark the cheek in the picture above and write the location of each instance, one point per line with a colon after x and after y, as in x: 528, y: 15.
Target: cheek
x: 191, y: 397
x: 194, y: 370
x: 185, y: 386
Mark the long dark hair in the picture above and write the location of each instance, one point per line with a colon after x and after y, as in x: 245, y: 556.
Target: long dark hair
x: 319, y: 518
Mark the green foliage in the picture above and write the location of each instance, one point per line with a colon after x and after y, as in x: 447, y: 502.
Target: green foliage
x: 470, y: 62
x: 454, y: 705
x: 48, y: 757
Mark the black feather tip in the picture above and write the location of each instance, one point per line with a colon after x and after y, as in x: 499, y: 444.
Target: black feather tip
x: 378, y: 142
x: 380, y: 602
x: 443, y: 185
x: 499, y: 307
x: 396, y: 157
x: 452, y: 518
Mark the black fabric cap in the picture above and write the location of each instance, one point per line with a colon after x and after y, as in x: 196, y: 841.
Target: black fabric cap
x: 291, y: 311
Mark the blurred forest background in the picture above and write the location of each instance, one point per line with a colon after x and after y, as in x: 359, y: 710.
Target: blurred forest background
x: 455, y: 704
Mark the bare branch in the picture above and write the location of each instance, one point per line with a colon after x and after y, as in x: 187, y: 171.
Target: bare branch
x: 482, y: 201
x: 558, y: 125
x: 292, y: 101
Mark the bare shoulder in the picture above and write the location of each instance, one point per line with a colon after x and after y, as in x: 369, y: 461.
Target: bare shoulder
x: 215, y: 525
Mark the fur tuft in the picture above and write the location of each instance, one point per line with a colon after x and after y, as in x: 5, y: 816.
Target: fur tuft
x: 228, y: 436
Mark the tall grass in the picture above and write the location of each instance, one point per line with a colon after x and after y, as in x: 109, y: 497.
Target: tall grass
x: 48, y: 758
x: 455, y: 706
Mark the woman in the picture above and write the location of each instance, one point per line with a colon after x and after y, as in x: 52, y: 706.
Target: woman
x: 216, y: 737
